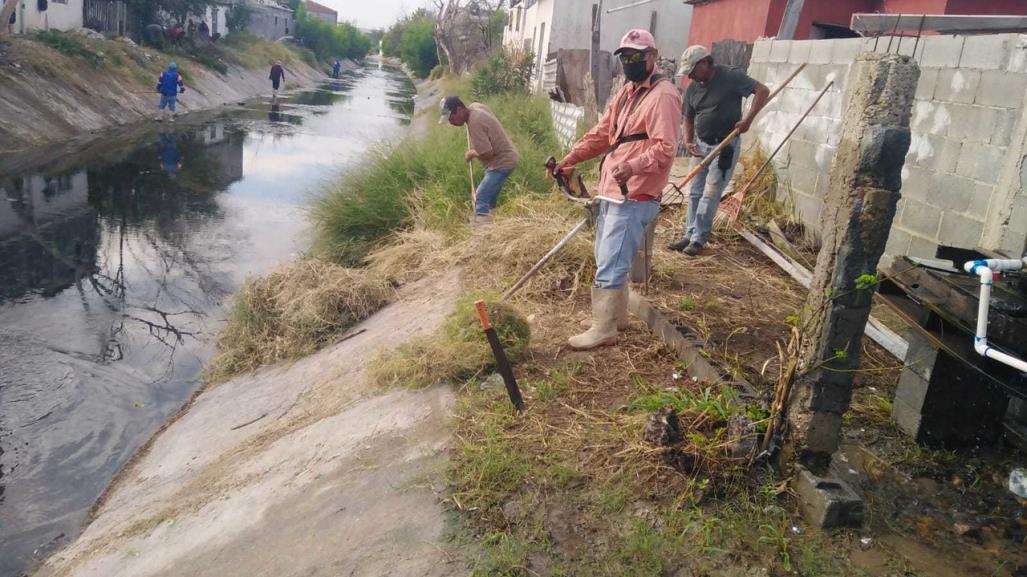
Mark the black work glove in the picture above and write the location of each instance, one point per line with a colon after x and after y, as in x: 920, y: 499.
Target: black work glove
x: 181, y: 89
x: 724, y: 161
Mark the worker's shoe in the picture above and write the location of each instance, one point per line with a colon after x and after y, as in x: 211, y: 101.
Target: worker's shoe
x: 481, y: 220
x: 693, y: 249
x: 622, y: 313
x: 679, y: 245
x: 603, y: 332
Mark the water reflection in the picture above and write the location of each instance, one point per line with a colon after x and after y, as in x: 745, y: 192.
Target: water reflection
x: 113, y: 277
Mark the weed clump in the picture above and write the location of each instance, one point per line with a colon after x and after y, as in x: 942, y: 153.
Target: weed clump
x: 459, y: 351
x: 292, y: 312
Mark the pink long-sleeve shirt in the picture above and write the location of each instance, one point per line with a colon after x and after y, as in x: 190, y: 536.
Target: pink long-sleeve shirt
x: 658, y: 114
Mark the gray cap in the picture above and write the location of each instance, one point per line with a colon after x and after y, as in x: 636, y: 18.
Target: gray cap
x: 690, y: 57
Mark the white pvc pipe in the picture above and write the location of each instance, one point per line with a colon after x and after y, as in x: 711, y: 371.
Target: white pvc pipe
x: 986, y: 270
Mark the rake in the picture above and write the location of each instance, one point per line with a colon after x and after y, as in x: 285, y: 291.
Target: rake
x: 729, y: 209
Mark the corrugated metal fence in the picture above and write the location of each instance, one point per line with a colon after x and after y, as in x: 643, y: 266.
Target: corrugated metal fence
x: 111, y: 17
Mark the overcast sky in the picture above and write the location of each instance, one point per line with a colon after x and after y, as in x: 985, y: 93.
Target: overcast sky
x: 373, y: 13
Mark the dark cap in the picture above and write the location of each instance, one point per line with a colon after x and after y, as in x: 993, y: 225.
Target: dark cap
x: 449, y: 105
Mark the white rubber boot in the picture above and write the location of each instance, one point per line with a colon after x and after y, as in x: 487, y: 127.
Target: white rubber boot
x: 622, y: 313
x: 603, y: 332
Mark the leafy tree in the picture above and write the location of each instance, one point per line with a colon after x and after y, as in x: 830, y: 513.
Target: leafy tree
x: 149, y: 10
x: 328, y: 41
x: 238, y: 17
x: 412, y: 39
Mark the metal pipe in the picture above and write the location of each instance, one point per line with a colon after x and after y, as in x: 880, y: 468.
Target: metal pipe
x: 632, y: 5
x: 986, y: 269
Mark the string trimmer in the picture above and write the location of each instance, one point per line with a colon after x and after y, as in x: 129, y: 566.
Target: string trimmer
x: 590, y: 206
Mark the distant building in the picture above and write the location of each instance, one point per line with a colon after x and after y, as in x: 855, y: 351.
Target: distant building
x: 56, y: 15
x: 321, y: 11
x: 747, y: 20
x: 559, y: 34
x: 270, y: 20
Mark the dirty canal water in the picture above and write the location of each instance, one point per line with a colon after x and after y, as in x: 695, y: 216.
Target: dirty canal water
x: 114, y: 274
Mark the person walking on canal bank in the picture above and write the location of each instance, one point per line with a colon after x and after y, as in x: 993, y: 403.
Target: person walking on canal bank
x: 638, y: 133
x: 169, y: 85
x: 277, y: 77
x: 490, y: 144
x: 713, y: 109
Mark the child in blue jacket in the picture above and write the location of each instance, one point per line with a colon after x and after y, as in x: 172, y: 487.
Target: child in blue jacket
x: 169, y: 85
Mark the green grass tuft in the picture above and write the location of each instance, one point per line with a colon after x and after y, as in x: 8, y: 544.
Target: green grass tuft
x: 457, y: 352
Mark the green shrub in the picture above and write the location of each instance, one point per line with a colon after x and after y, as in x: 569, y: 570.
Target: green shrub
x: 69, y: 45
x: 504, y: 72
x: 328, y: 41
x: 437, y: 72
x: 209, y: 58
x: 238, y: 18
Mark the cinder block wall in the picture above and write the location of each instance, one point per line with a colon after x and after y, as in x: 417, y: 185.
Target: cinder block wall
x: 962, y: 183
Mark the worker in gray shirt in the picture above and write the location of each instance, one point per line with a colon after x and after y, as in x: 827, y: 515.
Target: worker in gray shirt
x: 712, y: 110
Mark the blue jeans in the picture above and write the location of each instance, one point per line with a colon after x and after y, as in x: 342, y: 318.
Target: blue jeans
x: 704, y: 194
x: 487, y: 195
x: 167, y: 101
x: 619, y: 232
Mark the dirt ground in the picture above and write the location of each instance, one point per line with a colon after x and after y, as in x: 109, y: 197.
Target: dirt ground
x: 570, y: 487
x: 292, y: 470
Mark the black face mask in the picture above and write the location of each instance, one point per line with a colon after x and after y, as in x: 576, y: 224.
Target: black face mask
x: 637, y: 71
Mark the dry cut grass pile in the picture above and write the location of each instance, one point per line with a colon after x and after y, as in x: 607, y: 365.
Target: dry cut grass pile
x: 294, y: 311
x: 495, y: 256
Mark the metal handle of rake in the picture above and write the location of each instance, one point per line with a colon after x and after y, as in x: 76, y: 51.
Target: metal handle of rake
x: 734, y: 133
x: 781, y: 144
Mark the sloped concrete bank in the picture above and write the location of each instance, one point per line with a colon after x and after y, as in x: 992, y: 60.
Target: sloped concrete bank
x: 298, y: 469
x: 47, y: 96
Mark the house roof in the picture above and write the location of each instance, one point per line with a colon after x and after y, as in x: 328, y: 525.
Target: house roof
x: 319, y: 8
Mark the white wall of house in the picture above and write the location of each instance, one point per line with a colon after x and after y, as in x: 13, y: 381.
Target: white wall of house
x: 673, y: 18
x: 531, y: 28
x: 59, y: 15
x: 567, y: 24
x: 215, y: 18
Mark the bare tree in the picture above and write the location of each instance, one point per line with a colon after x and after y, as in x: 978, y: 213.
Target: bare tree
x: 462, y: 30
x: 5, y: 15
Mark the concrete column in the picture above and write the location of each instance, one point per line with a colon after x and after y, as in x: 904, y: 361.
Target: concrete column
x: 863, y: 190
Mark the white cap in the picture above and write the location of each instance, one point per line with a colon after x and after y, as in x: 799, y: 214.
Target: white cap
x: 690, y: 57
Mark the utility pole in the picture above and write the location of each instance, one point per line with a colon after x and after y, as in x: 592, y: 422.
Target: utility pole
x: 596, y: 20
x: 790, y: 20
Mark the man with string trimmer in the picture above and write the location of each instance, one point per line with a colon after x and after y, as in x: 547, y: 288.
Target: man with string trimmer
x: 638, y: 133
x: 713, y: 111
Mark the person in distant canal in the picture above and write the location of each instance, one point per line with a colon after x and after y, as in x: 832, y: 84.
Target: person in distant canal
x: 277, y: 78
x: 336, y: 68
x: 490, y: 144
x: 169, y: 85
